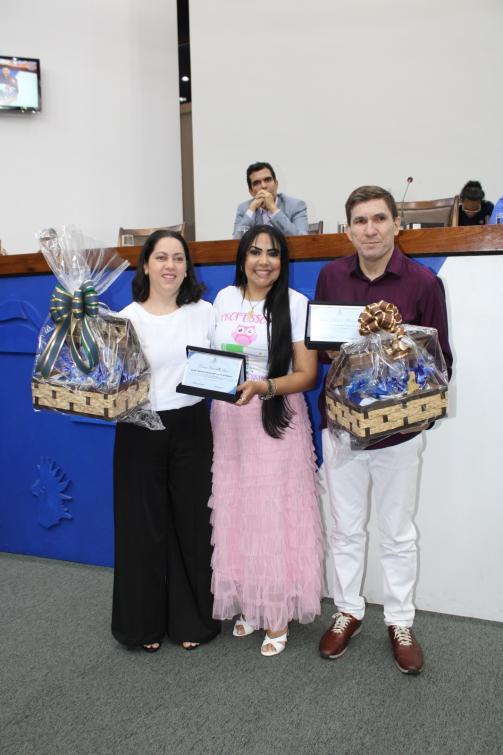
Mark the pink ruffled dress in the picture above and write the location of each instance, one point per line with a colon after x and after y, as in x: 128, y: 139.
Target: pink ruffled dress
x: 267, y: 532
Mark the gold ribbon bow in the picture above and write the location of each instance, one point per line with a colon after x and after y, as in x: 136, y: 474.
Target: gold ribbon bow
x: 383, y: 315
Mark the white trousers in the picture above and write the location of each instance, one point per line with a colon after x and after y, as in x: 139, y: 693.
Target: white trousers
x: 390, y: 476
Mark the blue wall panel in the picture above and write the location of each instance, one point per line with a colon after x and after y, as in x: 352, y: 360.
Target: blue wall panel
x: 75, y: 454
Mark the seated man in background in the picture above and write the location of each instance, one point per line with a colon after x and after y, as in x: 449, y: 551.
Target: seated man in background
x: 473, y: 209
x: 267, y: 207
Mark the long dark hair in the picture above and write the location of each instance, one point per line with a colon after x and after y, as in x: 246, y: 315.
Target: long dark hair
x: 190, y: 290
x: 276, y: 413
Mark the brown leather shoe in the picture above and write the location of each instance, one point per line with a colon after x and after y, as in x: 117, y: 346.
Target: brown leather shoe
x: 406, y: 649
x: 334, y: 642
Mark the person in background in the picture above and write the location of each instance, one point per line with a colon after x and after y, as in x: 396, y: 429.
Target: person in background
x: 162, y: 478
x: 473, y: 208
x: 268, y: 207
x: 389, y: 469
x: 268, y: 542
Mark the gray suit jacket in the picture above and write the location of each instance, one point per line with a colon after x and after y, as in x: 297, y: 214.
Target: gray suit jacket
x: 291, y: 218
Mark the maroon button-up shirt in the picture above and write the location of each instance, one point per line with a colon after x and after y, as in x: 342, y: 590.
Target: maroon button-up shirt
x: 416, y: 291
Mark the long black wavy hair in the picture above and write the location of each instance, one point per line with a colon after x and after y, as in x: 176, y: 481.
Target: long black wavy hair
x: 190, y: 290
x: 276, y: 413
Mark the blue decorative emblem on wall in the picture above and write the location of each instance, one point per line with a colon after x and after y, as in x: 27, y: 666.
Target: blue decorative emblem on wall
x: 49, y: 489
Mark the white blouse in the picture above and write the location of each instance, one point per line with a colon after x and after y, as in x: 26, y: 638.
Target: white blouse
x: 164, y: 339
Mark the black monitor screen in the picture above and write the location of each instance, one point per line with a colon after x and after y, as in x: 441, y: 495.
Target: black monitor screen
x: 19, y: 84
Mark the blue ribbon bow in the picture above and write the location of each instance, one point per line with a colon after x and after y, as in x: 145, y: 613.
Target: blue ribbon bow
x: 68, y: 312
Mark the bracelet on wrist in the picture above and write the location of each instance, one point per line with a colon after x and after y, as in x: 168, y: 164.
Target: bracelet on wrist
x: 271, y: 390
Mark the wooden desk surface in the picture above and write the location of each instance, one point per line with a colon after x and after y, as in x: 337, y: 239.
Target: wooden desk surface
x: 470, y: 240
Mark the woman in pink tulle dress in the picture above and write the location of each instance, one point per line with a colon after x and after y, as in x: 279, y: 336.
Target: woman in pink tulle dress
x: 268, y: 543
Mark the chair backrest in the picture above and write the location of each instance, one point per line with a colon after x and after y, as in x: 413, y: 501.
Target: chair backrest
x: 316, y: 227
x: 137, y: 236
x: 435, y: 211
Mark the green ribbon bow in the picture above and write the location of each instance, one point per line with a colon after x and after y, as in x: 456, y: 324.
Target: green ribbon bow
x: 67, y: 312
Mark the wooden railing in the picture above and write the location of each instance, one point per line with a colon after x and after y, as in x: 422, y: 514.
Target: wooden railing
x: 471, y: 240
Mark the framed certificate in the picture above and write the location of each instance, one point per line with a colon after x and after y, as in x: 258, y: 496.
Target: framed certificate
x: 212, y: 373
x: 330, y: 324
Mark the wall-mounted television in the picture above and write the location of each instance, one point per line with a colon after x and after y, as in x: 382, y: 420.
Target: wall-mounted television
x: 20, y: 84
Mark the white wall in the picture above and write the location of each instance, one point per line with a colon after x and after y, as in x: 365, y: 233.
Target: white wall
x: 337, y: 93
x: 105, y: 151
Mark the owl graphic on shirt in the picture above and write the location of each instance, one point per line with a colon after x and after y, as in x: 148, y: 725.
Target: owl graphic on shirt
x: 244, y: 335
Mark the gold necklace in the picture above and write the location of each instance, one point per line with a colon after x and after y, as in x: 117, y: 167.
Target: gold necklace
x: 250, y: 315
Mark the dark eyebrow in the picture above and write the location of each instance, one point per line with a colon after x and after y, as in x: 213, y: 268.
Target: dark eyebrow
x: 259, y: 249
x: 375, y: 216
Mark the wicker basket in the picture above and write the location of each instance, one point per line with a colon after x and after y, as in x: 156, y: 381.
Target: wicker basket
x: 383, y: 417
x: 61, y: 394
x: 74, y: 400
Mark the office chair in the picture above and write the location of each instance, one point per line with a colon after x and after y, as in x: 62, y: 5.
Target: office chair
x: 137, y: 236
x: 316, y: 227
x: 434, y: 212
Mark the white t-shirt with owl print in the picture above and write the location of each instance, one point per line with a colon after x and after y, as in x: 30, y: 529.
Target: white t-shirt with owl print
x: 241, y: 327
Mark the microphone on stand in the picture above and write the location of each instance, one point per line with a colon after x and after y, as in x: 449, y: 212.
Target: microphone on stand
x: 409, y: 181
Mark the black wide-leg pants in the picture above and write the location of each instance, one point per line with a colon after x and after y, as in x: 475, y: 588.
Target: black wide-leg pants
x: 162, y: 483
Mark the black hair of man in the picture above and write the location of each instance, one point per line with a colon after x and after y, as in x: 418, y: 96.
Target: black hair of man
x: 366, y: 194
x: 254, y: 167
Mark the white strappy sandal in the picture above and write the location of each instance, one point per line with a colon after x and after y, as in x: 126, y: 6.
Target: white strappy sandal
x: 278, y: 643
x: 244, y: 626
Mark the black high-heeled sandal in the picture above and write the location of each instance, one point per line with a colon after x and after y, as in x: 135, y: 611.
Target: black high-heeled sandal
x: 150, y: 649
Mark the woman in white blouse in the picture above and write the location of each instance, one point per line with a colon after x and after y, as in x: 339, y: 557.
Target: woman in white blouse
x: 162, y: 479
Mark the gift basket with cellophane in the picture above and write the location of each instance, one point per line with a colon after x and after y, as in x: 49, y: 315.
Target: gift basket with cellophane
x: 89, y: 360
x: 391, y: 380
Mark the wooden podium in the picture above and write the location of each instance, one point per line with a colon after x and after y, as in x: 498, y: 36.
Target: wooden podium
x: 487, y: 239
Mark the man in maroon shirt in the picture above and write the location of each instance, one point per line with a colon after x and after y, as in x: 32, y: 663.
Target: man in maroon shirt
x: 390, y: 469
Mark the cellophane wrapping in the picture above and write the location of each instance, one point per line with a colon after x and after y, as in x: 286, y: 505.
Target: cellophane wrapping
x: 89, y: 360
x: 373, y: 384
